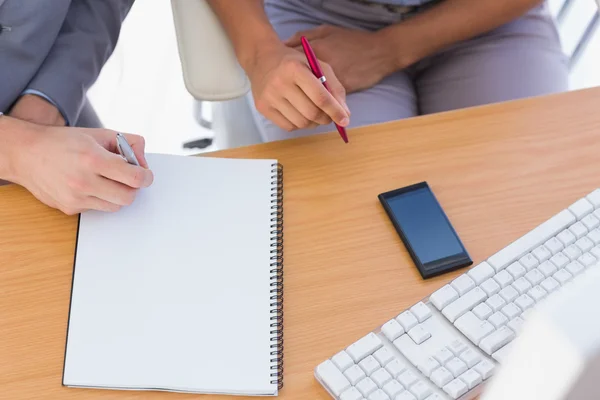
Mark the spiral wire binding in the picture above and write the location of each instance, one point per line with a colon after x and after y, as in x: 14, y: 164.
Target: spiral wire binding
x: 276, y: 273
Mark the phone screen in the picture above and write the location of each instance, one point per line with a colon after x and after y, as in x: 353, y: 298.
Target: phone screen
x: 425, y: 229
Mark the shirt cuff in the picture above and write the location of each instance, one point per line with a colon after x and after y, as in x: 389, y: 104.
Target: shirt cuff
x: 49, y: 100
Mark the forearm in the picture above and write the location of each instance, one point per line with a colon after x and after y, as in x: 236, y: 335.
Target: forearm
x: 449, y: 22
x: 14, y: 138
x: 247, y: 26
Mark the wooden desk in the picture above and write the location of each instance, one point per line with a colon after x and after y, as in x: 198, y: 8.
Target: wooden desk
x: 497, y: 170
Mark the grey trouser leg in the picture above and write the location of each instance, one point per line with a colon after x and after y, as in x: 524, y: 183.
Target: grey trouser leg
x: 520, y: 59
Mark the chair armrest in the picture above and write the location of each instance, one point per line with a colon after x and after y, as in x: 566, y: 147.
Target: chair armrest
x: 210, y: 69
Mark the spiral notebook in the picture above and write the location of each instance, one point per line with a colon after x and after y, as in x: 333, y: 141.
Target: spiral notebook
x: 183, y: 290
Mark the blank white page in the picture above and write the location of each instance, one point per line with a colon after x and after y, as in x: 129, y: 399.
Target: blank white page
x: 172, y: 292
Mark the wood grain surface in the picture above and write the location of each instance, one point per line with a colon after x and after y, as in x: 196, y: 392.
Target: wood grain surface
x: 497, y: 170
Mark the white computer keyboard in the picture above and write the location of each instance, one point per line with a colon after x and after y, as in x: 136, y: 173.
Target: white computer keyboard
x: 446, y: 346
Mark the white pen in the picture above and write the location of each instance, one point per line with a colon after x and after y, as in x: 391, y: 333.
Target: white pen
x: 125, y: 150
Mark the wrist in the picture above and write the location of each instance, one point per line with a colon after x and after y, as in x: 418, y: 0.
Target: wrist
x: 16, y: 137
x: 261, y: 46
x: 399, y: 46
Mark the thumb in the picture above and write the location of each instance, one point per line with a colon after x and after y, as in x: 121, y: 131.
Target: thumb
x: 335, y: 86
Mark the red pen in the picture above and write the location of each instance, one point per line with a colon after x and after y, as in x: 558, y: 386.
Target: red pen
x: 316, y: 69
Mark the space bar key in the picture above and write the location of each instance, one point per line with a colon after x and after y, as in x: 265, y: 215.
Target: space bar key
x: 532, y: 239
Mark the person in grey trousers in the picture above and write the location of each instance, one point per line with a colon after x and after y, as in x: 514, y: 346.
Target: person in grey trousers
x: 389, y: 59
x: 51, y: 52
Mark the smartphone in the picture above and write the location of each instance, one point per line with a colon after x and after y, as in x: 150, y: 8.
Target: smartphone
x: 425, y: 230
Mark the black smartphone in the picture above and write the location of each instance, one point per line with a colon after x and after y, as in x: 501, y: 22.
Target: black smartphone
x: 425, y: 230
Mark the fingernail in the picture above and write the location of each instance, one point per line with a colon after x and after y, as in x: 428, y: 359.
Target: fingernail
x: 346, y: 108
x: 345, y: 121
x: 148, y: 179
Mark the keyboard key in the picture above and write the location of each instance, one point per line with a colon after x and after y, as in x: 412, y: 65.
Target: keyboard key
x: 496, y: 340
x: 524, y: 302
x: 470, y: 357
x: 354, y: 374
x: 584, y: 244
x: 383, y: 356
x: 471, y: 378
x: 503, y: 278
x: 596, y: 251
x: 534, y: 276
x: 490, y: 287
x: 407, y: 378
x: 435, y: 396
x: 456, y: 366
x: 575, y: 268
x: 366, y: 386
x: 457, y: 346
x: 421, y: 311
x: 364, y: 346
x: 578, y: 229
x: 560, y: 260
x: 407, y: 320
x: 406, y: 395
x: 421, y: 390
x: 473, y: 328
x: 429, y: 365
x: 594, y: 235
x: 501, y: 354
x: 442, y: 297
x: 594, y: 198
x: 381, y: 377
x: 562, y: 276
x: 378, y: 395
x: 396, y: 367
x: 509, y: 293
x: 481, y: 272
x: 342, y: 360
x: 511, y: 311
x: 532, y: 239
x: 522, y: 285
x: 515, y: 324
x: 441, y: 376
x: 419, y: 334
x: 392, y: 388
x: 516, y: 270
x: 537, y: 293
x: 443, y: 355
x: 550, y: 284
x: 554, y: 245
x: 498, y: 319
x: 463, y: 284
x: 590, y: 222
x: 392, y: 330
x: 369, y: 365
x: 351, y: 394
x: 406, y: 346
x: 456, y: 388
x: 485, y: 369
x: 496, y: 302
x: 463, y: 304
x: 482, y: 311
x: 541, y: 253
x: 581, y: 208
x: 332, y: 377
x: 547, y: 268
x: 587, y: 260
x: 566, y: 237
x: 529, y: 261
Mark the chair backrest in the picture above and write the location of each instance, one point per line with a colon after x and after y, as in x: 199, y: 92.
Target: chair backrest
x: 210, y: 69
x: 577, y: 35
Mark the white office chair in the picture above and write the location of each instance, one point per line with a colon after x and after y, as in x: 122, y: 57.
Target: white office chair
x: 211, y: 73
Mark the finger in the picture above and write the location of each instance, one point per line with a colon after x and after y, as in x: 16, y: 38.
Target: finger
x: 306, y: 107
x: 115, y: 168
x: 292, y: 114
x: 322, y: 98
x: 138, y: 144
x: 335, y: 86
x: 94, y: 203
x: 111, y: 191
x: 279, y: 120
x: 309, y: 34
